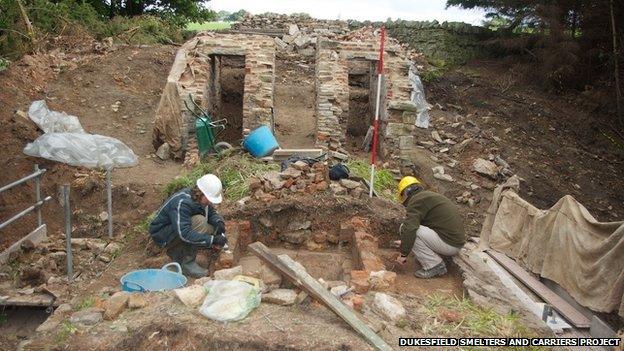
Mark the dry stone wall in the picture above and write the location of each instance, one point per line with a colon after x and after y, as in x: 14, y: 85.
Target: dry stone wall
x: 397, y: 114
x: 193, y: 72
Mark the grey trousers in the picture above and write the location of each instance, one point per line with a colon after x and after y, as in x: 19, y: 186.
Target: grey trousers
x: 183, y: 252
x: 428, y: 247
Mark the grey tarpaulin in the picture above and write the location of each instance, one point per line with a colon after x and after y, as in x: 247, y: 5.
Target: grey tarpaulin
x: 565, y: 244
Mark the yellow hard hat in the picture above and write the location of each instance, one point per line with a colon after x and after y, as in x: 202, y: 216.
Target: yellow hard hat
x: 404, y: 183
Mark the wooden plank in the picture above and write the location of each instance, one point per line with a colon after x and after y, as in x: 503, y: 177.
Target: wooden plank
x: 559, y: 304
x: 298, y: 275
x: 36, y: 236
x: 557, y: 325
x: 282, y: 154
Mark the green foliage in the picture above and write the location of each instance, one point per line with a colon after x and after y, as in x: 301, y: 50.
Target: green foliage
x: 4, y: 64
x: 67, y: 329
x: 3, y: 317
x: 85, y: 303
x: 137, y: 21
x: 234, y: 170
x: 385, y: 185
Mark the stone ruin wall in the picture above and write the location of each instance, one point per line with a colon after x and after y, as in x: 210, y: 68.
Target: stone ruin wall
x: 306, y: 24
x: 397, y: 113
x: 193, y: 71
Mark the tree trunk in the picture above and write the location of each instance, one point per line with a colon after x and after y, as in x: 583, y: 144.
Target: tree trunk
x: 616, y: 68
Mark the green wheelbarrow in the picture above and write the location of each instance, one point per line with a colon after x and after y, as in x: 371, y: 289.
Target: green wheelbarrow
x: 207, y: 130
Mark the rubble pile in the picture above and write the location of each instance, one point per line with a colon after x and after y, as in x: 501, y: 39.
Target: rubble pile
x: 294, y: 34
x: 301, y: 178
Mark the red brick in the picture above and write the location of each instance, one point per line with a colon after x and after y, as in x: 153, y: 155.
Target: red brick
x: 359, y: 280
x: 357, y: 301
x: 382, y: 280
x: 322, y: 186
x: 319, y: 237
x: 359, y: 223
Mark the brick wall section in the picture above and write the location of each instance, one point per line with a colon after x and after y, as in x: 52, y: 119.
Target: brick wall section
x: 397, y: 113
x: 239, y: 236
x: 191, y: 73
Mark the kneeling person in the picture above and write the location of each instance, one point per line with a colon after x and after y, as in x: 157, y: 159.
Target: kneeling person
x: 187, y: 221
x: 433, y: 227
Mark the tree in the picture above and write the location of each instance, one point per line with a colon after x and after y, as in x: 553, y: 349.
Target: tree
x: 237, y: 16
x: 190, y: 10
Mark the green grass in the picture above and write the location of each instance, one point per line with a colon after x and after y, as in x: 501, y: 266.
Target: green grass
x: 85, y: 303
x: 385, y: 185
x: 475, y: 321
x: 234, y: 170
x: 67, y: 329
x: 208, y: 26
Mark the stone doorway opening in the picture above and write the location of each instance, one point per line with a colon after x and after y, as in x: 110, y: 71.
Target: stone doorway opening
x: 362, y: 83
x: 226, y: 93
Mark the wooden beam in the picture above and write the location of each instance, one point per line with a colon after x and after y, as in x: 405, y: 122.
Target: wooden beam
x: 298, y: 275
x: 282, y: 154
x: 559, y: 304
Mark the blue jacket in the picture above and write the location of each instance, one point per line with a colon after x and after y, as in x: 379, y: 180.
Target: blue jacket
x: 174, y: 219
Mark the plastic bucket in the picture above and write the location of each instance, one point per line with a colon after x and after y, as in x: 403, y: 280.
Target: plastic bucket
x: 146, y: 280
x: 260, y: 142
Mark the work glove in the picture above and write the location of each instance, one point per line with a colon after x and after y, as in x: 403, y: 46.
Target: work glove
x: 219, y: 229
x: 219, y: 240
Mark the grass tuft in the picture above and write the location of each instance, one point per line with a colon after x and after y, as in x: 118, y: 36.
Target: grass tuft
x: 234, y: 170
x: 385, y: 185
x: 86, y: 302
x: 471, y: 320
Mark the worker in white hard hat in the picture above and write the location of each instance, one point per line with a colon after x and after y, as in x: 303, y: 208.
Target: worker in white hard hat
x: 188, y: 221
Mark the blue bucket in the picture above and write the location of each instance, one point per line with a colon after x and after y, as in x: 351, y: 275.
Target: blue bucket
x: 260, y: 142
x: 146, y: 280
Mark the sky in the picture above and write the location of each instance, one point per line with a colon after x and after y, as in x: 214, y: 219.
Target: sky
x: 356, y: 9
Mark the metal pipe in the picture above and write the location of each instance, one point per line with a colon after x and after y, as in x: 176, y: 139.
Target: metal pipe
x: 109, y: 199
x: 23, y: 180
x: 70, y: 266
x: 25, y: 212
x: 38, y: 196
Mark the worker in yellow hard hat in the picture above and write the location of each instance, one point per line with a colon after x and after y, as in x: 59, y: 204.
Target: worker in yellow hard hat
x: 433, y: 227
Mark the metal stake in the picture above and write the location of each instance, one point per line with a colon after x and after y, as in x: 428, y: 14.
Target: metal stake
x: 70, y: 265
x: 38, y: 196
x: 109, y: 196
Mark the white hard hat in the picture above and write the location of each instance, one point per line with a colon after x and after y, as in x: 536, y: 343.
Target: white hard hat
x: 210, y: 185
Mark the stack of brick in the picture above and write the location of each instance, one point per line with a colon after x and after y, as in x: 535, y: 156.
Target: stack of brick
x: 372, y: 273
x: 298, y: 178
x: 239, y: 236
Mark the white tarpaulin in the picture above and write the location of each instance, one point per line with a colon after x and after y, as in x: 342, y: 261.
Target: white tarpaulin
x: 565, y: 244
x: 65, y: 141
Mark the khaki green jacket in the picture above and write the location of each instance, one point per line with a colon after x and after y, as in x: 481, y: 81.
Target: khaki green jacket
x: 436, y: 212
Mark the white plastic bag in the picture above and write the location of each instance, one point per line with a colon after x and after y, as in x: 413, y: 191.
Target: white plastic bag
x: 82, y: 149
x: 229, y: 300
x: 52, y: 121
x: 418, y: 98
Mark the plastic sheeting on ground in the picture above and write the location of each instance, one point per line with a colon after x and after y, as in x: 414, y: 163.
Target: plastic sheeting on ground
x: 229, y: 300
x: 65, y: 141
x: 51, y: 121
x: 82, y: 149
x: 418, y: 98
x: 565, y: 244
